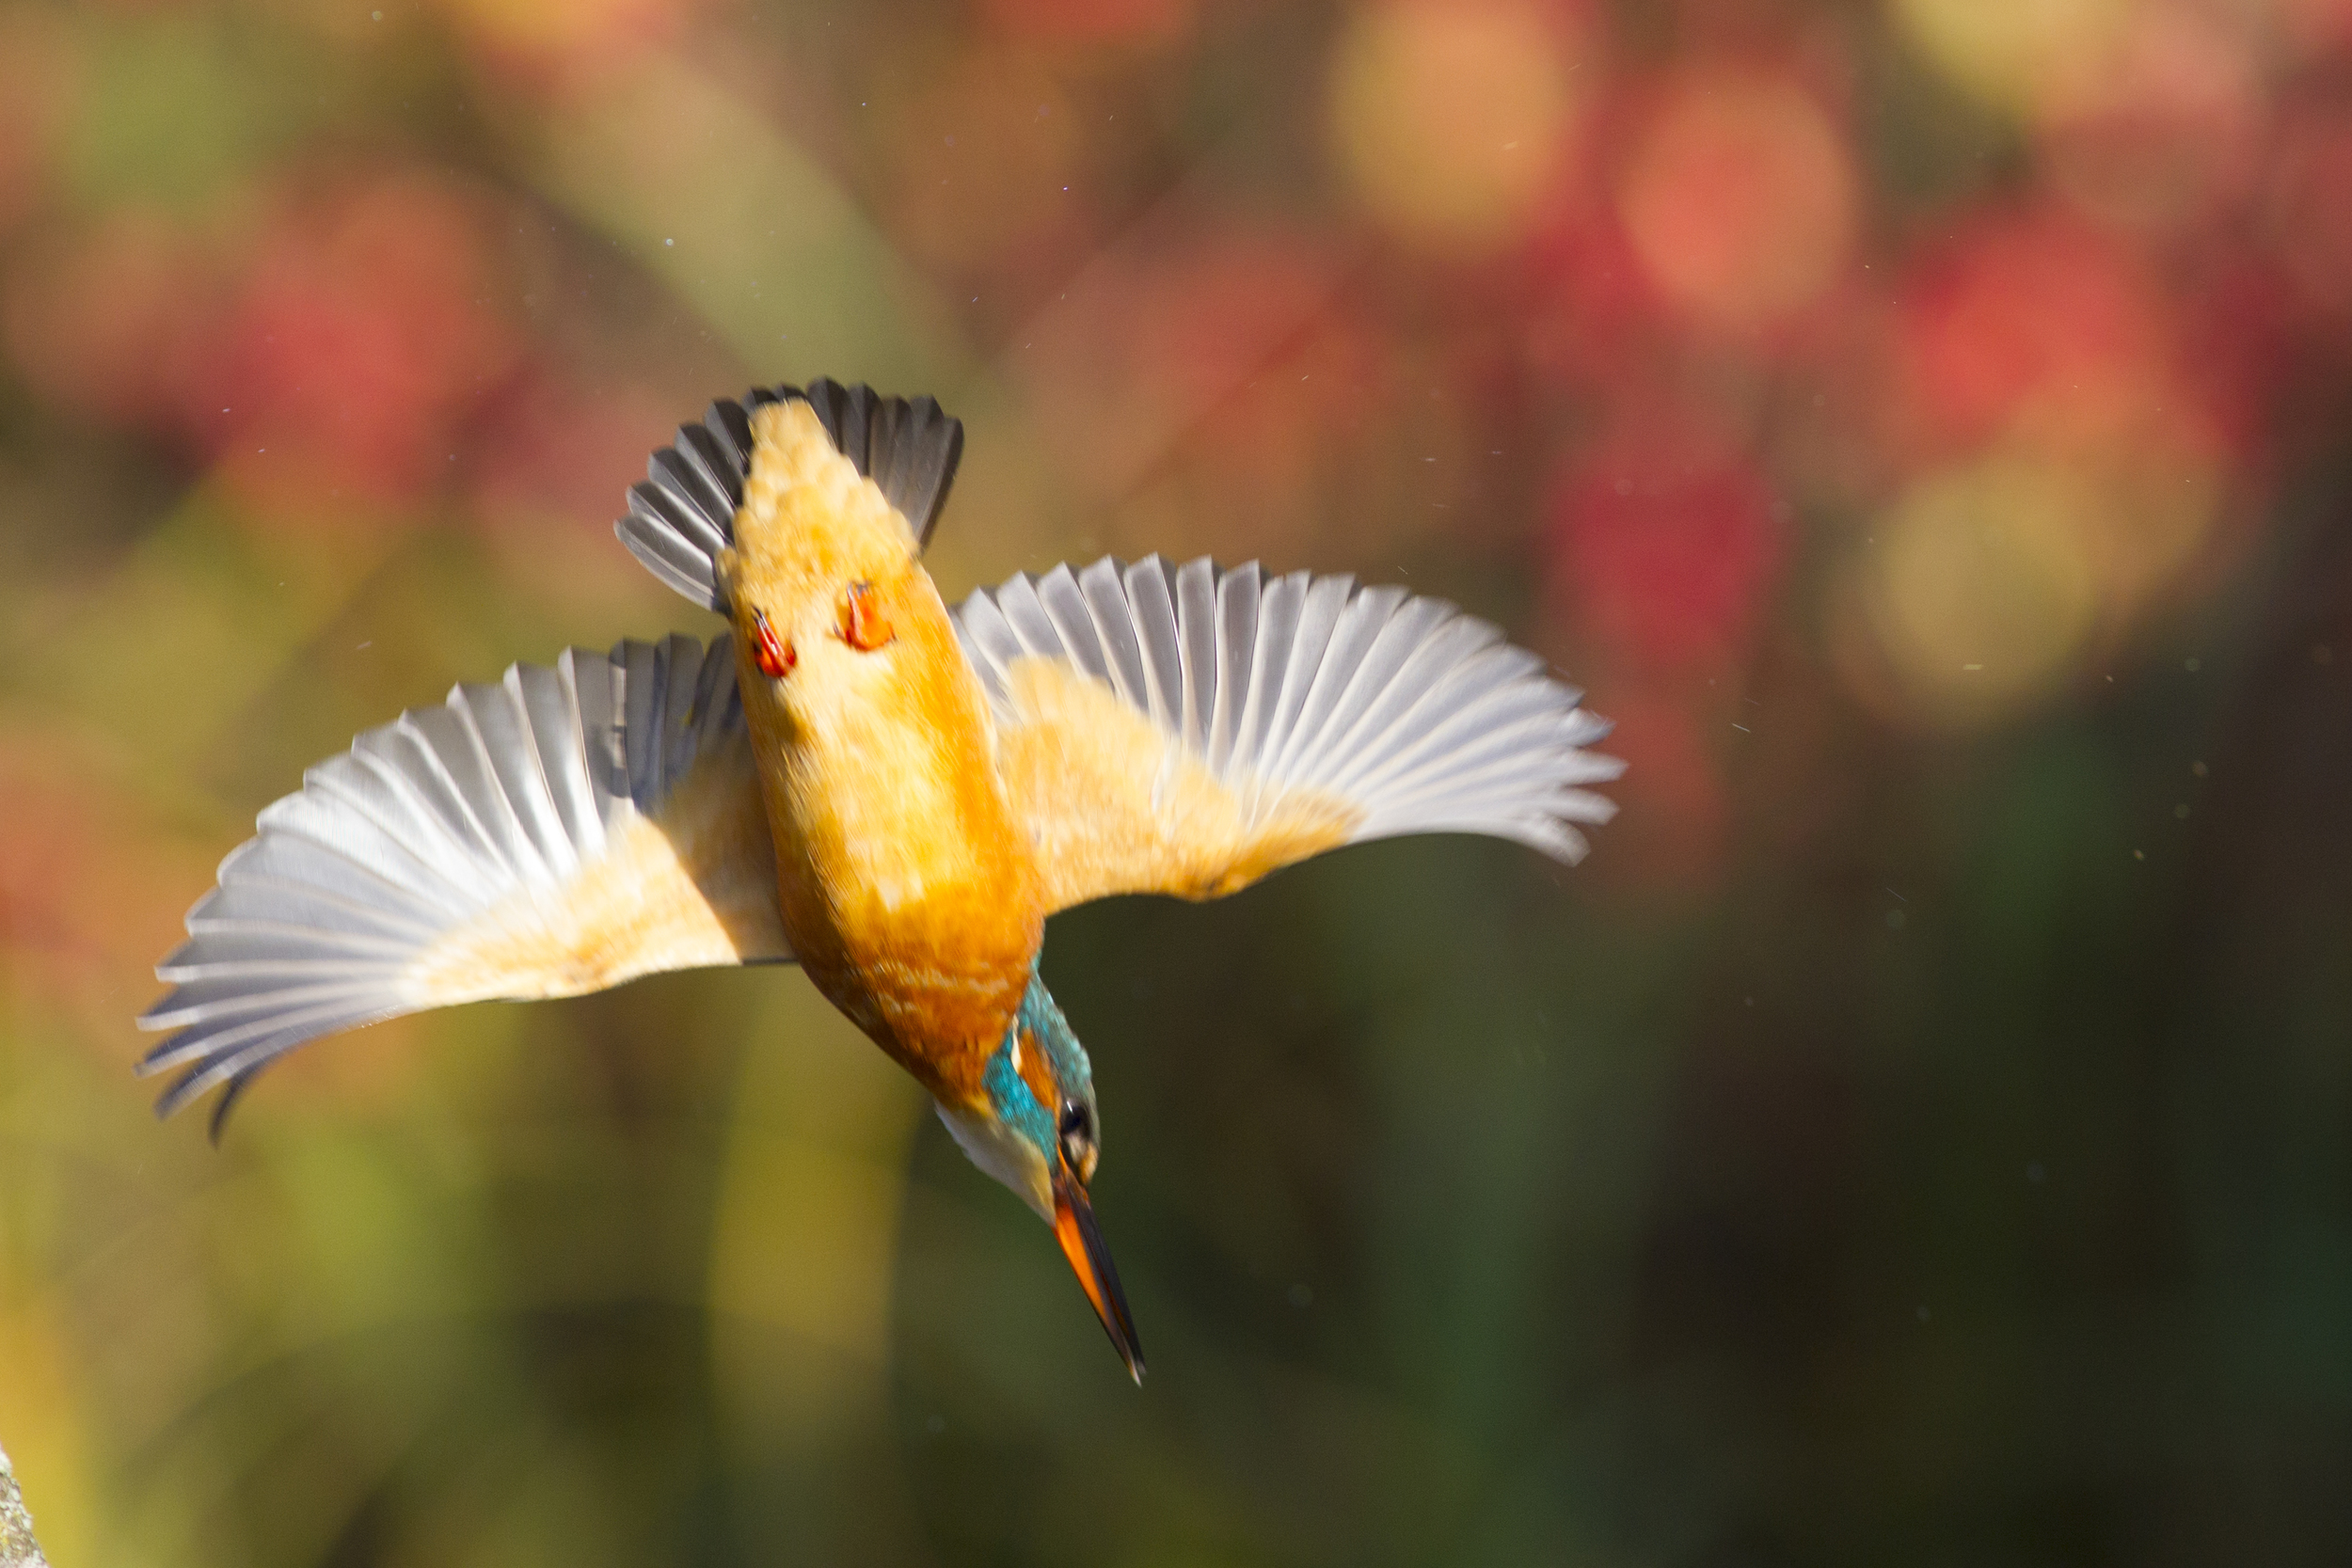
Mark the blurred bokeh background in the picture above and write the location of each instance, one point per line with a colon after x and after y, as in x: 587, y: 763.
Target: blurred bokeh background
x: 1921, y: 1133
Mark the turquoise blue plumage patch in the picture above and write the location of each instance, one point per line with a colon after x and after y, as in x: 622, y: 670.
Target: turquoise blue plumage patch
x: 1041, y: 1019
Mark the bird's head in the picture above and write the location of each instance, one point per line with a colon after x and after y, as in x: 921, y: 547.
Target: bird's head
x: 1036, y: 1129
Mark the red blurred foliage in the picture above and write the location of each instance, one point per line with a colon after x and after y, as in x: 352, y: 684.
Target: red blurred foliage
x: 2030, y: 309
x: 985, y: 147
x: 1257, y: 335
x: 551, y: 447
x: 1207, y: 320
x: 2235, y: 324
x: 2320, y: 26
x: 1594, y: 313
x: 36, y: 71
x: 358, y: 338
x: 564, y: 46
x: 93, y: 889
x: 1674, y: 825
x: 1241, y: 340
x: 2172, y: 132
x: 51, y: 839
x: 329, y: 355
x: 87, y: 887
x: 2311, y: 207
x: 552, y: 461
x: 115, y: 321
x: 1093, y: 22
x: 1837, y: 436
x: 1668, y: 540
x: 1738, y: 197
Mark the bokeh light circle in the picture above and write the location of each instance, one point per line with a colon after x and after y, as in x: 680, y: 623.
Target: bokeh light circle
x: 1740, y: 200
x: 2019, y: 55
x: 1980, y: 586
x: 1450, y: 120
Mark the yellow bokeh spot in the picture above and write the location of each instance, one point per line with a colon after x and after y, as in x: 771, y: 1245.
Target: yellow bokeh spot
x: 1981, y: 585
x: 2020, y: 56
x: 41, y: 1395
x: 1450, y: 119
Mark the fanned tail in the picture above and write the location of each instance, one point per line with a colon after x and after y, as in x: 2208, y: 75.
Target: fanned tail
x: 683, y: 513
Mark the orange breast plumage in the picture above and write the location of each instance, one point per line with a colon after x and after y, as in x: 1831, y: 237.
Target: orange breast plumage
x: 907, y: 887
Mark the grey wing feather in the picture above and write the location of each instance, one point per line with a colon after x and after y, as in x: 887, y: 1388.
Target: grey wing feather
x: 1420, y: 715
x: 1065, y: 604
x: 1152, y: 609
x: 317, y: 922
x: 1115, y: 630
x: 683, y: 513
x: 1237, y: 597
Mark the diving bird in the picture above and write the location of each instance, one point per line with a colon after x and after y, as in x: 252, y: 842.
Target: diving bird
x: 856, y: 778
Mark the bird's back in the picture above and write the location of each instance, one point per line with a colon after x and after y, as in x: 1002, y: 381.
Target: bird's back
x: 907, y: 891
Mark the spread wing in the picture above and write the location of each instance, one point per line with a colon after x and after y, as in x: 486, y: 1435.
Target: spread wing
x: 558, y: 833
x: 1187, y: 731
x: 683, y: 514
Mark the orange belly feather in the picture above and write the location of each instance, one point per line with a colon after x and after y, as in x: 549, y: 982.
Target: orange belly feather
x: 909, y: 892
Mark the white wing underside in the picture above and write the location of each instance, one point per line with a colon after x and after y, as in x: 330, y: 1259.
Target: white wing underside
x: 1176, y: 730
x: 551, y: 834
x: 1398, y: 713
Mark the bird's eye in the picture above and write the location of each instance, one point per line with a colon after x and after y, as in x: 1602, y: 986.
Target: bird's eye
x: 1078, y: 1149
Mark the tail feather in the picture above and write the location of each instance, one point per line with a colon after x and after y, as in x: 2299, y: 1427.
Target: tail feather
x: 682, y: 516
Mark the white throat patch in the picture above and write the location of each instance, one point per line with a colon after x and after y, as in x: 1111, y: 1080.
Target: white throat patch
x: 1005, y: 1155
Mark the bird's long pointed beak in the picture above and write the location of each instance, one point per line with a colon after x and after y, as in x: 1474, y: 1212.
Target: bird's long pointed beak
x: 1091, y: 1261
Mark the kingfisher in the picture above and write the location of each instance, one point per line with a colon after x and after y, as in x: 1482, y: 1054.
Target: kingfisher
x: 856, y: 778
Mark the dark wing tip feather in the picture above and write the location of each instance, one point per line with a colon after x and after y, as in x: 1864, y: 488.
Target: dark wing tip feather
x: 932, y: 448
x: 217, y: 1126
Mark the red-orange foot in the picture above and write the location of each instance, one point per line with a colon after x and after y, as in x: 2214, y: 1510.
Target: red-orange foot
x: 773, y: 656
x: 864, y: 626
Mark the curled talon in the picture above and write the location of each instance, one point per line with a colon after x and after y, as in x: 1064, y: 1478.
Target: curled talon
x: 773, y: 656
x: 864, y: 626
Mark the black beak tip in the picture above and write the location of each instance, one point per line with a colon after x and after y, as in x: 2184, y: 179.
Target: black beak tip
x: 1125, y: 1342
x: 1091, y: 1258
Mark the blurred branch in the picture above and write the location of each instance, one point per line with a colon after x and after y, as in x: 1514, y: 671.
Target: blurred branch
x: 1126, y: 423
x: 742, y: 224
x: 17, y: 1549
